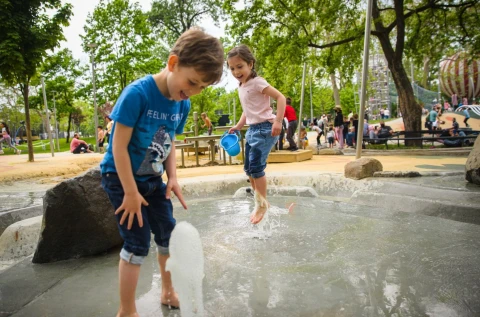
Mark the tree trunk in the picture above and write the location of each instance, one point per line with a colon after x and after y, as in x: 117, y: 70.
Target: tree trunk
x: 68, y: 127
x: 336, y: 94
x: 426, y: 72
x: 24, y: 87
x: 409, y: 108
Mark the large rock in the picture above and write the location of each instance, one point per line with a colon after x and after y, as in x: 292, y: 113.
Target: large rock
x: 363, y: 167
x: 472, y: 166
x: 329, y: 151
x: 78, y: 220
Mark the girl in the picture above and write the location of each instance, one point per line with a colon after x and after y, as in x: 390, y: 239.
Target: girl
x: 265, y: 127
x: 5, y: 138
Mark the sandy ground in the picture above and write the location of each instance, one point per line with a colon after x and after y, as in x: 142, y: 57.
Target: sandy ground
x: 46, y: 170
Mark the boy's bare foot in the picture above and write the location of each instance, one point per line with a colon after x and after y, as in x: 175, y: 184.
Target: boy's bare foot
x: 170, y: 299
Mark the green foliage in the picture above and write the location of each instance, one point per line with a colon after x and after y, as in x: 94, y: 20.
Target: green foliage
x: 28, y: 32
x: 126, y: 49
x: 173, y: 17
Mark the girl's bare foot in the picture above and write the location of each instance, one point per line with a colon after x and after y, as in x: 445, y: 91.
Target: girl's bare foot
x: 258, y: 214
x: 261, y: 207
x: 170, y: 299
x: 119, y: 314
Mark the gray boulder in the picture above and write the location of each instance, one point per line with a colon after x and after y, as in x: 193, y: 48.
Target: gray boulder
x: 78, y: 220
x: 329, y: 151
x: 472, y: 167
x: 363, y: 167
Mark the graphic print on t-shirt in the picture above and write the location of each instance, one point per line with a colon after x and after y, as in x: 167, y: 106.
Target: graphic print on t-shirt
x: 156, y: 154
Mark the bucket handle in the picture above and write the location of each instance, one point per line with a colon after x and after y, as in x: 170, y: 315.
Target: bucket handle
x: 236, y: 132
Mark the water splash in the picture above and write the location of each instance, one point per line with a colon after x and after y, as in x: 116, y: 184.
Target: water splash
x: 271, y: 219
x: 186, y: 264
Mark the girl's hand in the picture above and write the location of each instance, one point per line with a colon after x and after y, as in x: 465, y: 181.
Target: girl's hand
x: 276, y: 128
x: 172, y: 185
x: 232, y: 129
x: 131, y: 206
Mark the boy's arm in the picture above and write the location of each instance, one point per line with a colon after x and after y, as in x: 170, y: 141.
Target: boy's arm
x: 172, y: 184
x: 132, y: 200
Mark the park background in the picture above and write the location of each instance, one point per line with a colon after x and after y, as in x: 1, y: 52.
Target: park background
x: 112, y: 43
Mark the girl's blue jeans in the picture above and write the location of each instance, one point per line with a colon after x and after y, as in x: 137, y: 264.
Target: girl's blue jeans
x: 257, y: 148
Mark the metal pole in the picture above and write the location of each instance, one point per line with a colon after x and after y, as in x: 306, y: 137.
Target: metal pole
x: 301, y: 103
x: 234, y: 111
x: 52, y: 149
x: 363, y: 97
x: 55, y: 118
x: 311, y: 102
x: 95, y: 103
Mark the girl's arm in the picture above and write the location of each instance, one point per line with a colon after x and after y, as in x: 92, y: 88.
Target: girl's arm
x: 239, y: 125
x: 281, y: 103
x: 172, y: 183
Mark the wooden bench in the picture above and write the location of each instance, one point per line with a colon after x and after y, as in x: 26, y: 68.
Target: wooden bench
x: 182, y: 147
x: 396, y: 137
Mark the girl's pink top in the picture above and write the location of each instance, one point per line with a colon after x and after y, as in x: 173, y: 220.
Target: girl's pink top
x: 256, y: 105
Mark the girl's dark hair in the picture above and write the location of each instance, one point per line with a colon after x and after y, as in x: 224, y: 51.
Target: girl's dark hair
x: 6, y: 127
x: 244, y: 53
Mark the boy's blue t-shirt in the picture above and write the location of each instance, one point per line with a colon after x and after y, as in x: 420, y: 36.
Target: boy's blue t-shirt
x: 155, y: 121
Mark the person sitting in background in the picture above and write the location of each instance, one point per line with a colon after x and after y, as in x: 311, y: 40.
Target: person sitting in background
x: 365, y: 127
x: 372, y: 135
x: 350, y: 136
x: 78, y: 146
x: 385, y: 131
x: 451, y: 142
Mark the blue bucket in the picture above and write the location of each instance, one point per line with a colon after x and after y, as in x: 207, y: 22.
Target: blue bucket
x: 229, y: 142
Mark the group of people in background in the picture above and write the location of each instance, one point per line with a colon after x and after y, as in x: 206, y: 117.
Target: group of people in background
x: 6, y: 139
x: 78, y: 146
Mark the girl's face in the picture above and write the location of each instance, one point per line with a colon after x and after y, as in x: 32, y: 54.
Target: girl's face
x: 240, y: 68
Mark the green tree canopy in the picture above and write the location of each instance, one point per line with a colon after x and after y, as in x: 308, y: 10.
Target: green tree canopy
x: 119, y: 36
x: 28, y: 32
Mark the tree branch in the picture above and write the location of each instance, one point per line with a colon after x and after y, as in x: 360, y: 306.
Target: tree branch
x: 291, y: 12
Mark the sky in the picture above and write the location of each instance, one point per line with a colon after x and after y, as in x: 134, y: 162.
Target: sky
x: 81, y: 8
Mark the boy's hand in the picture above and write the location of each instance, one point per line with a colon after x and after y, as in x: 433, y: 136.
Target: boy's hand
x: 276, y: 128
x: 172, y: 185
x: 131, y: 206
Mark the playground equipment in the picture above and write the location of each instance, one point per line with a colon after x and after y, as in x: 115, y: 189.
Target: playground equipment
x: 461, y: 75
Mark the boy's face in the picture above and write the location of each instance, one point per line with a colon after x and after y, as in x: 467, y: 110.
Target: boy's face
x: 183, y: 82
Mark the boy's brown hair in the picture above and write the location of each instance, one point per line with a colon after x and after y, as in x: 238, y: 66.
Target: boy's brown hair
x: 203, y: 52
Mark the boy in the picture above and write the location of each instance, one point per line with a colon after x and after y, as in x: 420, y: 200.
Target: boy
x: 207, y: 124
x: 101, y: 137
x: 146, y: 116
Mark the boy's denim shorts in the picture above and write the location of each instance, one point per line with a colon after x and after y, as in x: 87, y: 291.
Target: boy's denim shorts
x: 259, y: 143
x: 157, y: 217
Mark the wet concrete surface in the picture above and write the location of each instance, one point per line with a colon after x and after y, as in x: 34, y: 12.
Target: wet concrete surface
x: 324, y: 258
